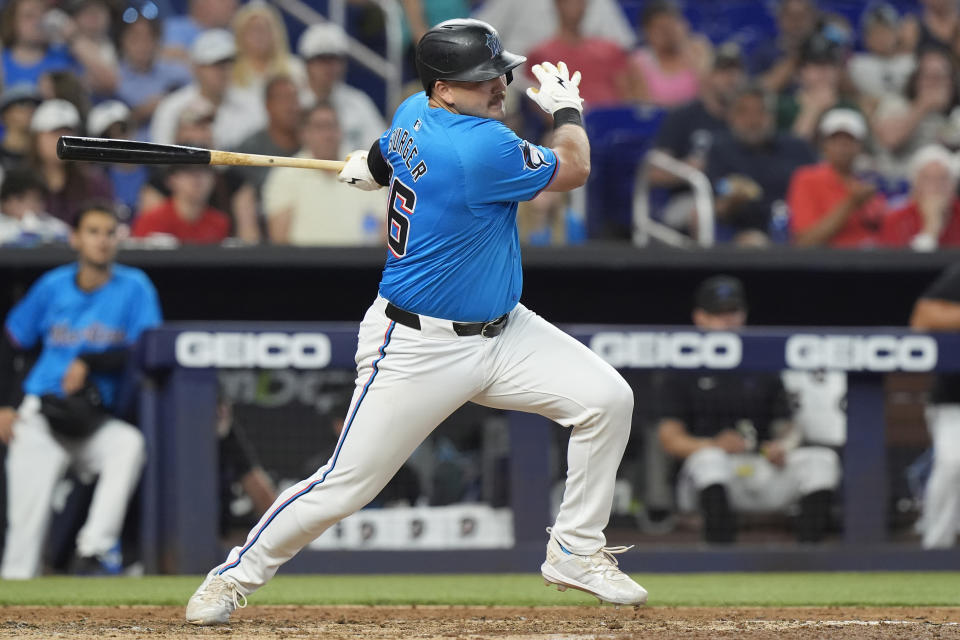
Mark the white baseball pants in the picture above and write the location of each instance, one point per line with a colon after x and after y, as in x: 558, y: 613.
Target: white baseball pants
x: 753, y: 483
x: 941, y: 501
x: 37, y: 459
x: 408, y: 381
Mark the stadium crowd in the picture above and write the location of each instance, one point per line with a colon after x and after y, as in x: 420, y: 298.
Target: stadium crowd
x: 835, y: 128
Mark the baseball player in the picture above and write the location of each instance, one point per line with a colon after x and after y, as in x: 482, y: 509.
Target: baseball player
x: 448, y: 327
x: 84, y: 316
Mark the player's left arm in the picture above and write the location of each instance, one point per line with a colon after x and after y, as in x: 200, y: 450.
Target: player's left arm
x: 938, y: 309
x: 559, y: 95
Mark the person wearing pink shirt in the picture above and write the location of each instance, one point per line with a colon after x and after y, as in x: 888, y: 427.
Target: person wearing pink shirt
x: 602, y: 62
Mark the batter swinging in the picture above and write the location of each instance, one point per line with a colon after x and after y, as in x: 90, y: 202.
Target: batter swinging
x: 448, y: 326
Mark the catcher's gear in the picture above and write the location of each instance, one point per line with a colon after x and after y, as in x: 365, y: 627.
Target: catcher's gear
x: 466, y: 50
x: 356, y: 172
x: 558, y: 90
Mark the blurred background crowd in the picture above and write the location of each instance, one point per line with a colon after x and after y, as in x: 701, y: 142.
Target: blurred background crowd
x: 808, y: 122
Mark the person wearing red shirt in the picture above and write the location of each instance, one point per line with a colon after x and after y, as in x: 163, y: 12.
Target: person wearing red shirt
x: 186, y: 215
x: 829, y: 205
x: 931, y: 218
x: 602, y: 63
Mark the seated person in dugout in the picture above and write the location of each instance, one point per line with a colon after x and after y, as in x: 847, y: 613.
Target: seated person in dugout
x: 732, y: 435
x: 84, y: 317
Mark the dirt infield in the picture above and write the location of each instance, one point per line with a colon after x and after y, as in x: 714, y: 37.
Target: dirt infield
x: 564, y: 623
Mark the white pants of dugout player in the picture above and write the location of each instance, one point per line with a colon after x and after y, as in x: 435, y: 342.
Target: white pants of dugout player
x: 941, y: 502
x: 753, y: 483
x: 36, y: 461
x: 410, y: 380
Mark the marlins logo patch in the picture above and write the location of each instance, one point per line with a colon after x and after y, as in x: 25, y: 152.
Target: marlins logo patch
x: 493, y: 43
x: 532, y: 156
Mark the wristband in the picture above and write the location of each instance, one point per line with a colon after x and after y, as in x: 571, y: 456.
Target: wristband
x: 567, y: 115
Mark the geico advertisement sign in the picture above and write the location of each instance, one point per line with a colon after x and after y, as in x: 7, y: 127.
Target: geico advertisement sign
x: 260, y: 350
x: 861, y: 353
x: 678, y: 350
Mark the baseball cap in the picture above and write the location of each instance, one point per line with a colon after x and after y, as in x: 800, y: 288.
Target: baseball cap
x: 880, y: 13
x: 323, y: 39
x: 55, y: 114
x: 19, y: 93
x: 213, y: 46
x: 197, y: 110
x: 934, y: 153
x: 843, y: 121
x: 105, y: 115
x: 721, y: 294
x: 728, y: 55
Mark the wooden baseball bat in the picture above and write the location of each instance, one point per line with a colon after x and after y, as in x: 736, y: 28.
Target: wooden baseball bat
x: 134, y: 152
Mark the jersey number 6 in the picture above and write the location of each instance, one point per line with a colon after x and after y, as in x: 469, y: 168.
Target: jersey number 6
x: 402, y: 203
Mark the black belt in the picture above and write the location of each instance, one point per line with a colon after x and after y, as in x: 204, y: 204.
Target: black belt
x: 490, y: 329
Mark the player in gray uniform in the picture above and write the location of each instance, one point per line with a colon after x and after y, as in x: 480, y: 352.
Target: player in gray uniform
x: 448, y: 327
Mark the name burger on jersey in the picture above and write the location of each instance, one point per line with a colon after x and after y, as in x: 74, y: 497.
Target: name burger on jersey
x: 402, y: 142
x: 723, y: 350
x: 268, y: 350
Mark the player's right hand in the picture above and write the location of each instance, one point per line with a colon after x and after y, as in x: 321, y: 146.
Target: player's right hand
x: 8, y: 416
x: 356, y: 173
x: 558, y: 90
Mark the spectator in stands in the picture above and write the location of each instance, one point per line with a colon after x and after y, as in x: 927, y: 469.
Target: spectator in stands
x: 66, y: 85
x: 549, y: 221
x: 829, y: 205
x: 688, y: 131
x: 931, y: 218
x: 213, y: 57
x: 68, y: 183
x: 524, y: 25
x: 84, y: 317
x: 602, y: 62
x: 938, y: 309
x: 882, y: 67
x: 263, y: 51
x: 185, y: 215
x: 927, y: 115
x: 17, y: 104
x: 23, y: 221
x: 819, y: 88
x: 935, y: 28
x: 231, y: 192
x: 776, y: 59
x: 750, y: 168
x: 420, y: 15
x: 309, y: 207
x: 324, y: 48
x: 145, y: 78
x: 731, y: 433
x: 180, y: 32
x: 37, y: 41
x: 667, y: 71
x: 111, y: 119
x: 92, y: 20
x: 281, y: 136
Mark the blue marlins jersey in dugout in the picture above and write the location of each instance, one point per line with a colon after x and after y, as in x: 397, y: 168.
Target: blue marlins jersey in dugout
x: 68, y: 321
x: 452, y: 211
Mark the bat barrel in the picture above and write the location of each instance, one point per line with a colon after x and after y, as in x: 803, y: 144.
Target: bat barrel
x: 128, y: 151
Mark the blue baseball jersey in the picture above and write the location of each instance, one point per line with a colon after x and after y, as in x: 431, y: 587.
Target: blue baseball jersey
x: 452, y: 211
x: 68, y: 321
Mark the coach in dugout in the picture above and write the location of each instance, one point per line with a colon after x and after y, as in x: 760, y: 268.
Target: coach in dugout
x: 83, y: 317
x: 732, y: 435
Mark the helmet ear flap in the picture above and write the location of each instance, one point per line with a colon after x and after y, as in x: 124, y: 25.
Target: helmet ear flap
x: 509, y: 75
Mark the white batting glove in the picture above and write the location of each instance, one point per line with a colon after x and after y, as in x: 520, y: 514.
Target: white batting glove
x: 356, y: 173
x: 558, y: 90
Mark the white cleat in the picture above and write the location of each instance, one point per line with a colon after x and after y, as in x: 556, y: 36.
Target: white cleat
x: 213, y: 601
x: 595, y: 574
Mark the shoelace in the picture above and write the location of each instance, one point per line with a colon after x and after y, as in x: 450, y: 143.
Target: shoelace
x: 606, y: 553
x: 225, y: 588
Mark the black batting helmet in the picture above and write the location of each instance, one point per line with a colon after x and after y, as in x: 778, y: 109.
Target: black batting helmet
x: 466, y: 50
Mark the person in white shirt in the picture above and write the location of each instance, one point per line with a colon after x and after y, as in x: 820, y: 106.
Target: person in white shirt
x: 307, y: 207
x: 23, y: 221
x: 237, y: 117
x: 324, y: 49
x: 881, y: 68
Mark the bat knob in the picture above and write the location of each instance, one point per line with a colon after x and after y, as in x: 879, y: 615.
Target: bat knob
x: 60, y: 147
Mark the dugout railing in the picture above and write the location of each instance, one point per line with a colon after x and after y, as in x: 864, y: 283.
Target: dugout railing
x: 179, y: 499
